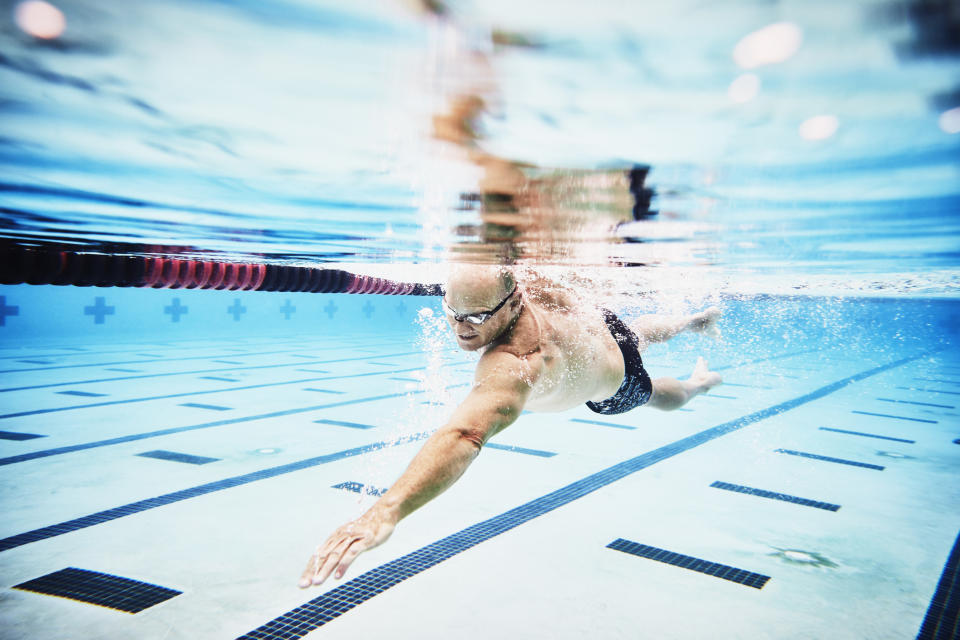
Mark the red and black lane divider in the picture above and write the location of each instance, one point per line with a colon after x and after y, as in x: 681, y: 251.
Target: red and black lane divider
x: 42, y: 265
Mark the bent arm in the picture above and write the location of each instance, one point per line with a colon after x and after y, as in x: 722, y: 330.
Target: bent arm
x: 501, y: 387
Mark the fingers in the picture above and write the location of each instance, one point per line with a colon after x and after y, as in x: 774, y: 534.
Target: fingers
x: 337, y: 553
x: 351, y: 554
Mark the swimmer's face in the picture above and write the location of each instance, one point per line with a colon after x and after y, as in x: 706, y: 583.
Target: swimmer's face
x: 479, y: 314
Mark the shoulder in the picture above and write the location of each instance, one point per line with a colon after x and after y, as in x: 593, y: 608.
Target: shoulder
x: 503, y: 363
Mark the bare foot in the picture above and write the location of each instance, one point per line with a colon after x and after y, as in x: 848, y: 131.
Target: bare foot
x: 706, y: 322
x: 703, y: 377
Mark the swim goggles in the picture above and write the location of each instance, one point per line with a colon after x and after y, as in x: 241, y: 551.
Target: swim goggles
x: 475, y: 318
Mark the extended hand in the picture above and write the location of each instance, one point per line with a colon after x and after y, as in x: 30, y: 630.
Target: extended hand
x: 345, y: 544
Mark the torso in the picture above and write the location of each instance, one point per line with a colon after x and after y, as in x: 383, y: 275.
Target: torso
x: 570, y: 347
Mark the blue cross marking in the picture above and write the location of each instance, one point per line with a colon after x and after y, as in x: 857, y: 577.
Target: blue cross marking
x: 99, y: 310
x: 237, y: 309
x: 287, y: 309
x: 5, y: 311
x: 330, y: 309
x: 175, y: 309
x: 368, y: 309
x: 401, y: 308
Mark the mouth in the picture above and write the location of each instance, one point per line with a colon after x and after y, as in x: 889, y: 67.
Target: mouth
x: 466, y: 338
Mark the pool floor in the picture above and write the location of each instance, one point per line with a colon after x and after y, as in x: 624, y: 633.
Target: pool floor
x: 176, y: 490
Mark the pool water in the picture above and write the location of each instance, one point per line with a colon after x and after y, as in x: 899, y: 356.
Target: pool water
x: 814, y: 493
x: 171, y: 457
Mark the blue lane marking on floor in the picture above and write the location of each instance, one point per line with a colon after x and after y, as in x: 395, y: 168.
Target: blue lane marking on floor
x: 952, y: 393
x: 775, y: 496
x: 341, y: 423
x: 815, y: 456
x: 188, y: 373
x: 207, y: 425
x: 102, y: 589
x: 313, y: 370
x: 82, y: 394
x: 382, y: 364
x: 942, y: 621
x: 35, y: 361
x: 13, y: 435
x: 921, y: 404
x: 359, y: 487
x: 226, y: 361
x: 183, y: 358
x: 743, y: 363
x: 887, y: 415
x: 334, y: 603
x: 188, y: 394
x: 220, y: 378
x: 751, y: 386
x: 211, y: 407
x: 404, y: 379
x: 937, y: 380
x: 151, y: 503
x: 726, y: 572
x: 601, y: 423
x: 173, y: 456
x: 323, y: 390
x: 717, y: 395
x: 529, y: 452
x: 867, y: 435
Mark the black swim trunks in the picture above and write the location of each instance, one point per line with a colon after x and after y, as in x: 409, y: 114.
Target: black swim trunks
x: 636, y: 389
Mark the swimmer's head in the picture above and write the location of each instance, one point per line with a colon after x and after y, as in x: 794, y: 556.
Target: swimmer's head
x: 481, y: 302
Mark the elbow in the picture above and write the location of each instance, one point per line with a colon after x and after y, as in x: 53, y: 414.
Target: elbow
x: 474, y: 437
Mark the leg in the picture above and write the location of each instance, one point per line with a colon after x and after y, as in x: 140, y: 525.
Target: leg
x: 660, y: 328
x: 670, y: 394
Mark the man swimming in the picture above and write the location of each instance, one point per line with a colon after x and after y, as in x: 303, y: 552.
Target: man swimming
x: 541, y: 351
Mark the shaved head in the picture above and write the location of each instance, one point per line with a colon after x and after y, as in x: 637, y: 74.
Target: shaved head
x: 477, y: 287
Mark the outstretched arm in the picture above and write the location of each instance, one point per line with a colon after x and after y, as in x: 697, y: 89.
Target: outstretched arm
x: 501, y: 387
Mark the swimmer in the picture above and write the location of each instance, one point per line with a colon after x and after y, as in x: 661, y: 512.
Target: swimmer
x: 541, y: 351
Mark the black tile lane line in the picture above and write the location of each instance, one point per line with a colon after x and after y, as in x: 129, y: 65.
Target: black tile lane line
x: 867, y: 435
x: 341, y: 423
x: 82, y: 394
x: 817, y: 456
x: 14, y: 435
x: 100, y: 517
x: 751, y: 386
x: 601, y: 423
x: 952, y: 393
x: 942, y: 621
x: 359, y: 487
x: 112, y: 364
x: 937, y: 380
x: 920, y: 404
x: 762, y: 493
x: 529, y: 452
x: 334, y: 603
x: 726, y: 572
x: 173, y: 456
x: 101, y: 589
x: 23, y: 457
x: 887, y: 415
x: 211, y: 407
x: 189, y: 373
x: 185, y: 394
